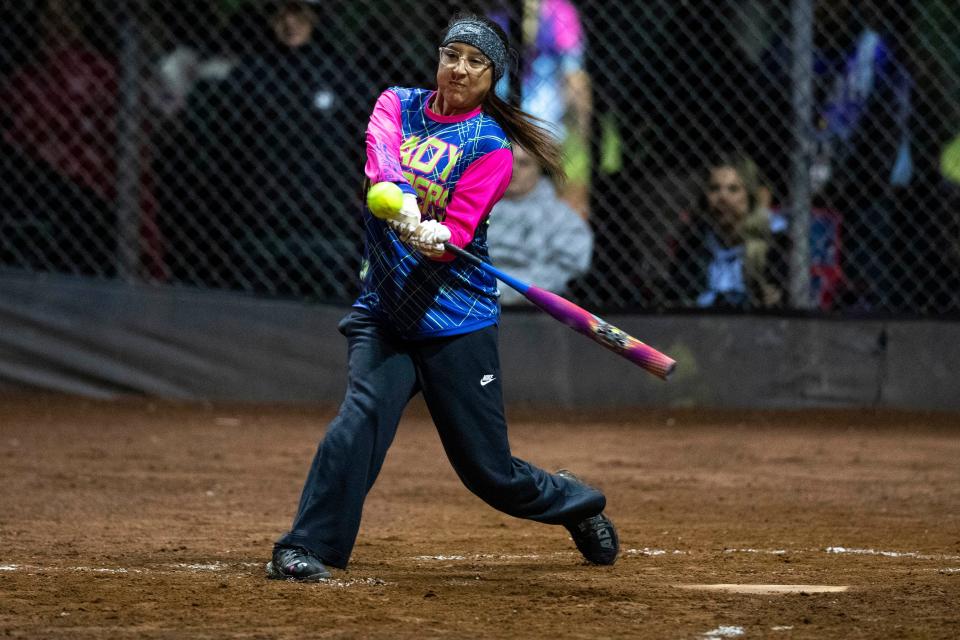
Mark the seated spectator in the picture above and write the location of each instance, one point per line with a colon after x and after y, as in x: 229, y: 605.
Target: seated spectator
x: 534, y: 235
x: 723, y: 257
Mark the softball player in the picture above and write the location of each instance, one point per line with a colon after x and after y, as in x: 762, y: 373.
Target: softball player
x: 426, y: 322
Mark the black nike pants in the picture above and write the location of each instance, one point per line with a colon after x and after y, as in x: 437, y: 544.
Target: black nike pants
x: 384, y: 374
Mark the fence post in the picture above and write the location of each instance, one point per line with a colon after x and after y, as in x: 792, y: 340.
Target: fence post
x: 801, y: 81
x: 128, y: 146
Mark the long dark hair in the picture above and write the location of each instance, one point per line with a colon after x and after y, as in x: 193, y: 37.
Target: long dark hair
x: 521, y: 127
x: 745, y: 168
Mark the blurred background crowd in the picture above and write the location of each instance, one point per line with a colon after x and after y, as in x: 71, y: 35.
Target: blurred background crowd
x: 732, y: 154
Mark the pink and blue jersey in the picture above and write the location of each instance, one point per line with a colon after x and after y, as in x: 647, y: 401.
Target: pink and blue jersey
x: 458, y: 167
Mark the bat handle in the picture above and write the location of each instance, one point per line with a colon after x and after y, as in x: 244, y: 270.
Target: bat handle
x: 461, y: 253
x: 486, y: 266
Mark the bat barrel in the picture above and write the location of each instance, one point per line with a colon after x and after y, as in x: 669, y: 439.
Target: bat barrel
x: 659, y: 364
x: 602, y: 332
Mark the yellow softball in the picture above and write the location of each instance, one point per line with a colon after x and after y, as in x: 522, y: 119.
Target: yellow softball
x: 384, y: 200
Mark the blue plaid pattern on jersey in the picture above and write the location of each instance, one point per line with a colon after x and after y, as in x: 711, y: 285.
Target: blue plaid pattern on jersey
x: 415, y: 296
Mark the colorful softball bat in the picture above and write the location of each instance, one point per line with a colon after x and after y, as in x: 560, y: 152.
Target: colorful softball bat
x: 581, y: 320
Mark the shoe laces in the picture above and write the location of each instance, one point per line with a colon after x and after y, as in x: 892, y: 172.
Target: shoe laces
x: 293, y: 555
x: 592, y: 525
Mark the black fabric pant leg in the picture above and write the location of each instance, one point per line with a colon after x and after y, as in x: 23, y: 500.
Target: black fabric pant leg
x: 467, y: 407
x: 382, y: 379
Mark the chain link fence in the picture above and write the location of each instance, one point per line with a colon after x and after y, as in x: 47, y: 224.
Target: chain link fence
x: 738, y: 154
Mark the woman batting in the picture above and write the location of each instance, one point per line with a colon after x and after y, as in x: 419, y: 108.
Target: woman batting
x: 426, y: 322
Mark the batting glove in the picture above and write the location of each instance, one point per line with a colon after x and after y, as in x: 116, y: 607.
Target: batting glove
x: 428, y: 238
x: 406, y: 220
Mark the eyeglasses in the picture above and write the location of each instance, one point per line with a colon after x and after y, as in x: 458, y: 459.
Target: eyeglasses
x: 474, y: 64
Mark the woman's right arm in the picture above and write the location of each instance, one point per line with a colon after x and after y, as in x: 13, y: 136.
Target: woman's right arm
x: 384, y: 136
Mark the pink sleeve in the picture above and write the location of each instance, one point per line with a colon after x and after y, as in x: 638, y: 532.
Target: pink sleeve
x: 384, y: 135
x: 478, y: 189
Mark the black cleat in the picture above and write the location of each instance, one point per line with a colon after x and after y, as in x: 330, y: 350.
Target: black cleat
x: 296, y: 563
x: 596, y: 537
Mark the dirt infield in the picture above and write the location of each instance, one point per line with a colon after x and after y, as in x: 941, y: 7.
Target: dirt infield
x: 151, y: 520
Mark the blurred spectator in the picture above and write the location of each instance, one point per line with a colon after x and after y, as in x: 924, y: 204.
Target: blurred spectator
x: 928, y: 43
x: 676, y: 80
x: 943, y: 294
x: 950, y: 161
x: 191, y: 56
x: 272, y: 145
x: 726, y: 256
x: 60, y: 116
x: 555, y: 87
x: 193, y: 160
x: 863, y: 153
x: 534, y: 235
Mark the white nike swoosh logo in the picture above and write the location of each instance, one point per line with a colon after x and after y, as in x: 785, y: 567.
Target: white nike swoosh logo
x: 485, y: 380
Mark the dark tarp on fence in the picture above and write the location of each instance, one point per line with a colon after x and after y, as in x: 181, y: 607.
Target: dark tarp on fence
x: 105, y: 340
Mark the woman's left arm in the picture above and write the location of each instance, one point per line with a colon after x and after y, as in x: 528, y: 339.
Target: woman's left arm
x: 477, y: 190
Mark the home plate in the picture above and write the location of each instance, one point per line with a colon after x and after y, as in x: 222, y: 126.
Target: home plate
x: 766, y: 588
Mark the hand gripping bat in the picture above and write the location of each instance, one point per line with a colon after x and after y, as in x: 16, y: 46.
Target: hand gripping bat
x: 580, y: 320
